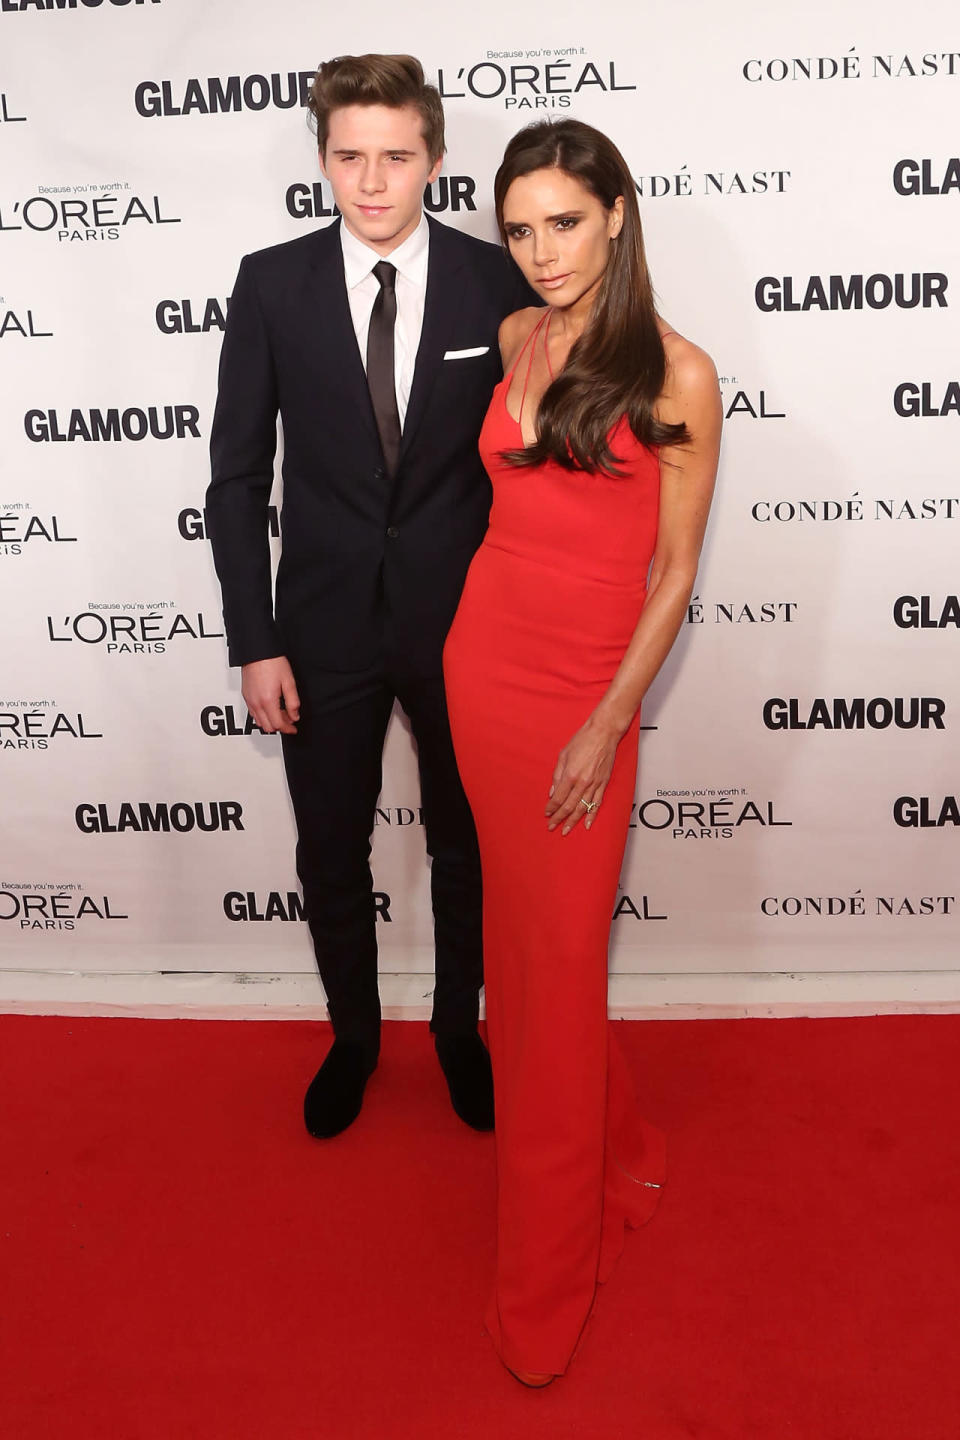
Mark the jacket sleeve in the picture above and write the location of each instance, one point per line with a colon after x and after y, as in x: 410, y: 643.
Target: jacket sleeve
x: 243, y: 442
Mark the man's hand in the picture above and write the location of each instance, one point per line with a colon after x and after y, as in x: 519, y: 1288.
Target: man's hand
x: 267, y: 683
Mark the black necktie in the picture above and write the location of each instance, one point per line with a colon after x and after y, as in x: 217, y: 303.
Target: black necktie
x: 380, y: 364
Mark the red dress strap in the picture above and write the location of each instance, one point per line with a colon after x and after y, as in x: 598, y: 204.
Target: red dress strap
x: 532, y: 336
x: 544, y: 319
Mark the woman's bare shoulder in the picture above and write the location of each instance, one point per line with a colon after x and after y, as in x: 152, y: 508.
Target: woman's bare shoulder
x: 688, y: 366
x: 691, y: 389
x: 514, y: 331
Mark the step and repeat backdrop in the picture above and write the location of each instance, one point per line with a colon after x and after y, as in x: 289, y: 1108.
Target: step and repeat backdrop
x: 799, y: 183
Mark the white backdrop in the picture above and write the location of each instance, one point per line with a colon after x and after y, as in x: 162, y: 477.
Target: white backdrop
x: 147, y: 146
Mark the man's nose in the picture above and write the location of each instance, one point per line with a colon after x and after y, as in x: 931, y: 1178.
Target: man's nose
x: 372, y: 179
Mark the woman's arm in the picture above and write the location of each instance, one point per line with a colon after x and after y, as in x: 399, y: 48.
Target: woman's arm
x: 687, y: 475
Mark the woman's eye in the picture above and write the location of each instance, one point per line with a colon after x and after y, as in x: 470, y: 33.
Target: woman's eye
x: 566, y: 222
x: 517, y: 232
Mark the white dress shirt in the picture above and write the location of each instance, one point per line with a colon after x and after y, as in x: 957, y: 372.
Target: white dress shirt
x: 363, y: 287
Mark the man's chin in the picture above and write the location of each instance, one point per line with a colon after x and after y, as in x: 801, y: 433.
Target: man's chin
x: 379, y: 229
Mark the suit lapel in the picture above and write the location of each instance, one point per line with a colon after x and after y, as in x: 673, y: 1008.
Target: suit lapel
x: 327, y: 314
x: 440, y: 311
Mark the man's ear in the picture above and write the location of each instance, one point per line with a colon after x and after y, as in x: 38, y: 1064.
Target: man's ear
x: 435, y: 171
x: 323, y: 168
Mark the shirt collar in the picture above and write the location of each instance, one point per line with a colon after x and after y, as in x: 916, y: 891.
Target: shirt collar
x: 410, y: 258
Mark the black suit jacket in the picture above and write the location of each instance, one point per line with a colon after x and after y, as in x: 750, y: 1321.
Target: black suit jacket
x: 371, y: 569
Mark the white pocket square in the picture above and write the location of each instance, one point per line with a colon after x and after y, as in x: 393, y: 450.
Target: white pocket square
x: 466, y: 354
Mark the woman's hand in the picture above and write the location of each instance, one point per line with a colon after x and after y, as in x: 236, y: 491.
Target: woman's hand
x: 583, y: 768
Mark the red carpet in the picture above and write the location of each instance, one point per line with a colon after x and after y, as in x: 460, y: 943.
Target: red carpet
x: 180, y: 1260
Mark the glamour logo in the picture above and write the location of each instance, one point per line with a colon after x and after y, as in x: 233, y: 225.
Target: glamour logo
x: 639, y: 908
x: 545, y: 84
x: 916, y: 177
x: 159, y: 816
x: 849, y: 66
x: 450, y: 192
x: 924, y: 813
x: 223, y: 94
x: 715, y: 816
x: 924, y: 712
x: 307, y: 200
x: 6, y: 117
x: 99, y: 217
x: 169, y: 422
x: 18, y: 530
x: 712, y: 182
x: 144, y: 631
x: 192, y: 523
x: 313, y: 200
x: 945, y: 507
x: 913, y: 612
x: 70, y: 4
x: 279, y: 905
x: 176, y: 317
x: 222, y: 720
x: 831, y: 907
x: 22, y: 325
x: 32, y: 907
x: 913, y: 399
x: 739, y: 612
x: 35, y: 727
x: 852, y: 292
x: 284, y: 905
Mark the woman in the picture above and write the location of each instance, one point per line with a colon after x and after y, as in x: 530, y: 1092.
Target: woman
x: 601, y: 442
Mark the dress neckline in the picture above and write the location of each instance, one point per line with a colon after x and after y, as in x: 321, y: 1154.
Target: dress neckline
x: 504, y: 384
x: 544, y: 321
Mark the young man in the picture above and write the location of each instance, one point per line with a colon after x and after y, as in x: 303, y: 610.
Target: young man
x: 375, y: 340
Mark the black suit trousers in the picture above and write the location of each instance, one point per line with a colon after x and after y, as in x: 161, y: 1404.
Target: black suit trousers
x: 334, y: 774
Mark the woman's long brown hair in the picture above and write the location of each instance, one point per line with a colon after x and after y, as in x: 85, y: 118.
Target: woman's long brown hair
x: 617, y: 366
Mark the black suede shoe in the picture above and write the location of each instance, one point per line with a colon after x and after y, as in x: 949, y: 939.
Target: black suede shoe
x: 335, y: 1094
x: 465, y: 1062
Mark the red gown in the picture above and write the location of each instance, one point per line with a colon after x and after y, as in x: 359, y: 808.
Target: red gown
x: 550, y: 603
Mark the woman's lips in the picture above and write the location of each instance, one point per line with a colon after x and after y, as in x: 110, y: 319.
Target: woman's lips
x: 552, y: 282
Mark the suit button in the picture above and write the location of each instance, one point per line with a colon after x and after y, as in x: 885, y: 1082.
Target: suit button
x: 378, y: 473
x: 392, y: 531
